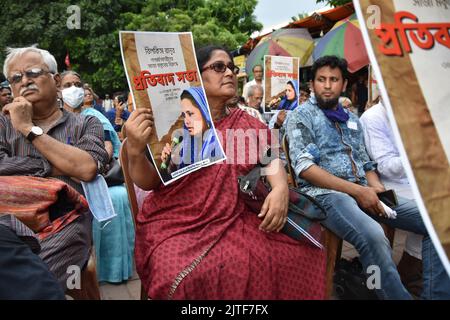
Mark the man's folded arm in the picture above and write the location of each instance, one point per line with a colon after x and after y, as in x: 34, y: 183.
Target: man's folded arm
x: 11, y: 166
x: 83, y: 160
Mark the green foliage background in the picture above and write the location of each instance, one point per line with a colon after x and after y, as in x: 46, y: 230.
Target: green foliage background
x: 94, y: 48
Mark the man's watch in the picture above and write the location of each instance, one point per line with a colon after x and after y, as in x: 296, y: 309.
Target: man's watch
x: 34, y: 132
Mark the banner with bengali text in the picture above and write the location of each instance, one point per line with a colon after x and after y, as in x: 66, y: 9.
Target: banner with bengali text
x: 409, y: 47
x: 278, y: 71
x: 160, y: 67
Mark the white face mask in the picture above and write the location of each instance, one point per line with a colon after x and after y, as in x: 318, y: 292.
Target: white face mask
x: 73, y: 96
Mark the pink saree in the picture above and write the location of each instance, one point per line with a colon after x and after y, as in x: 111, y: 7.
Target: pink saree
x: 195, y: 239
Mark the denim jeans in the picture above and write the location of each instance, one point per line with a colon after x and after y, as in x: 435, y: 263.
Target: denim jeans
x: 353, y: 225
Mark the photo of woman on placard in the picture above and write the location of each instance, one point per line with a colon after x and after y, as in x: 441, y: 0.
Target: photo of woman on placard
x: 198, y: 141
x: 287, y: 99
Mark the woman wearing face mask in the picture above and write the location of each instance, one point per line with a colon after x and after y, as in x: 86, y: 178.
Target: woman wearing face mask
x: 196, y: 238
x: 113, y: 242
x: 198, y: 141
x: 73, y: 96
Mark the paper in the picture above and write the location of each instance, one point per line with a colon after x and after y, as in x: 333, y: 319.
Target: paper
x: 278, y: 71
x: 161, y: 68
x: 391, y: 214
x: 410, y: 54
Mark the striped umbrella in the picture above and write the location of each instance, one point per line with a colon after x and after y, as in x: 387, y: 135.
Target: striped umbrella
x: 282, y: 42
x: 344, y: 40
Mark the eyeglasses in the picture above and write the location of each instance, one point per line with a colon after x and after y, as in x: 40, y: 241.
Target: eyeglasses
x: 30, y: 74
x: 221, y: 67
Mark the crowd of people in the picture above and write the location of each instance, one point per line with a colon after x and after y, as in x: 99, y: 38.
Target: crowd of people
x: 196, y: 238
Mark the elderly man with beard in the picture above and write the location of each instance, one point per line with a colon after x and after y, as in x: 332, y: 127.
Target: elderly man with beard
x: 326, y: 144
x: 38, y: 138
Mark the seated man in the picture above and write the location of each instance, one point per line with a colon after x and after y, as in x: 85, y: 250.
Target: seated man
x: 326, y: 146
x: 381, y: 147
x: 253, y: 108
x: 38, y: 138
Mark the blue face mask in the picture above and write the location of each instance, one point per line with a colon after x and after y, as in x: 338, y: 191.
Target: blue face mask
x: 97, y: 195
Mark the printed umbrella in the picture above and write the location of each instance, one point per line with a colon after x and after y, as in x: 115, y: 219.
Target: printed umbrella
x: 282, y: 42
x: 344, y: 40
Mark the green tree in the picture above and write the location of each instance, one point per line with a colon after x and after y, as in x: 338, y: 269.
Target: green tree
x: 94, y: 48
x: 225, y: 22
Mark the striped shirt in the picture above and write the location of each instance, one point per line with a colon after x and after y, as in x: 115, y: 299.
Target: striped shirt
x: 70, y: 246
x: 20, y: 157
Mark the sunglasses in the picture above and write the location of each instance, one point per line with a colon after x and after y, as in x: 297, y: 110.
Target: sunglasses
x: 221, y: 67
x: 30, y: 74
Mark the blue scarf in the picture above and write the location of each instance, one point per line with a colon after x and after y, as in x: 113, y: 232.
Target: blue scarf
x: 338, y: 115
